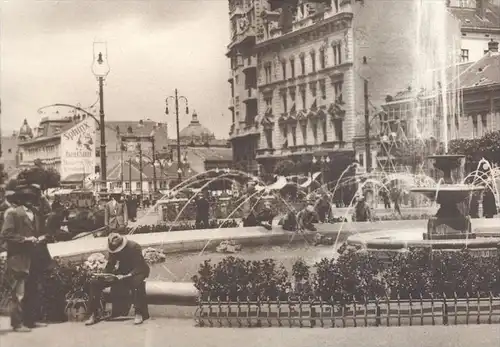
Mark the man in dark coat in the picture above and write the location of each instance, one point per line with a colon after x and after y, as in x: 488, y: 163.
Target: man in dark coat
x: 489, y: 203
x: 20, y: 230
x: 202, y: 212
x: 127, y: 262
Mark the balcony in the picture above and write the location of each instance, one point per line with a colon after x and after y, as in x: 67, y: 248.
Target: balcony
x: 231, y: 103
x: 250, y: 95
x: 250, y: 64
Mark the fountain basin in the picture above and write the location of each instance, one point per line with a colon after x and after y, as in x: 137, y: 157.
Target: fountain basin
x: 388, y: 242
x: 451, y: 193
x: 169, y: 282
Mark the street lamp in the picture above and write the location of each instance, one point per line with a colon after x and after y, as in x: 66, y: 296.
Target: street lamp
x: 100, y: 68
x: 176, y: 99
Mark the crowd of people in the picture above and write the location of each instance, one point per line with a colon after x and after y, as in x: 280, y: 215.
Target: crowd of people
x: 26, y: 230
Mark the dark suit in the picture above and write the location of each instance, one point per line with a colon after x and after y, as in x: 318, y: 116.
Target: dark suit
x: 115, y: 215
x: 16, y: 228
x: 128, y: 261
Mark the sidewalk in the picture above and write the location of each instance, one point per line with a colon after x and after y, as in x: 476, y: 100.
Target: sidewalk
x: 183, y: 333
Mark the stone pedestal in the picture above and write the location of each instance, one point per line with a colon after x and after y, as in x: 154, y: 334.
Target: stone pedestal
x: 449, y: 228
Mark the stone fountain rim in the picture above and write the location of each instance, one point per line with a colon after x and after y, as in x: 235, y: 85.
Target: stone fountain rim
x: 450, y: 156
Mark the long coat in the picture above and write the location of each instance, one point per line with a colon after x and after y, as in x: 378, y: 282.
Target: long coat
x: 115, y: 216
x: 16, y: 227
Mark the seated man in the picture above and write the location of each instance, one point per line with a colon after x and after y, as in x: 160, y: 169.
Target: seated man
x: 131, y: 272
x: 265, y: 216
x: 306, y: 218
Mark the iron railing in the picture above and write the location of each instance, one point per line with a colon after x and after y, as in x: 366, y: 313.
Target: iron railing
x: 320, y: 313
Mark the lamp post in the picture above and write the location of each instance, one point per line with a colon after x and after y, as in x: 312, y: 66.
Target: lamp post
x: 100, y: 68
x: 176, y: 99
x: 364, y: 74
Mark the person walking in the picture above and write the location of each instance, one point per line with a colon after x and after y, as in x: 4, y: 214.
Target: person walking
x: 19, y: 232
x: 127, y: 262
x: 202, y: 212
x: 115, y: 214
x: 489, y: 203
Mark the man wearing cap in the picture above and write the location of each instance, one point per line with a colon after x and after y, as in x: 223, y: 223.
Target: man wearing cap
x: 127, y: 262
x: 115, y: 214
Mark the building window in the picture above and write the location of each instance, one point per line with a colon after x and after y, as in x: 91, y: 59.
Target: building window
x: 285, y: 105
x: 294, y: 135
x: 312, y: 87
x: 269, y: 137
x: 337, y: 86
x: 337, y: 54
x: 292, y: 67
x: 325, y: 130
x: 313, y: 61
x: 322, y: 87
x: 465, y: 55
x: 138, y: 185
x: 303, y: 64
x: 484, y: 123
x: 268, y: 72
x: 303, y: 96
x: 269, y: 101
x: 314, y: 128
x: 339, y: 133
x: 322, y: 58
x: 303, y: 129
x: 285, y: 136
x: 283, y: 69
x: 474, y: 126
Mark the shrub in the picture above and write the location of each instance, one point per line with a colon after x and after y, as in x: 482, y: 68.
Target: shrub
x: 355, y: 275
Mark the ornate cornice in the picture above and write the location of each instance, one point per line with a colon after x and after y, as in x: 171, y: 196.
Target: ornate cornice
x: 336, y: 23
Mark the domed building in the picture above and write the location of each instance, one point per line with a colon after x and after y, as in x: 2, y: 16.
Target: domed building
x: 200, y: 148
x: 25, y: 133
x: 195, y: 134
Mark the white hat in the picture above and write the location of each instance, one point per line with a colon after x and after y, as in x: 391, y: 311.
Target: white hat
x: 116, y: 242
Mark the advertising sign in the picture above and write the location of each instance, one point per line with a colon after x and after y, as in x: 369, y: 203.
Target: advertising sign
x: 78, y: 155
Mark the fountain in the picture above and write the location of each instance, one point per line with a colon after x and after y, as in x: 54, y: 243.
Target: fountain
x: 450, y: 229
x: 449, y: 222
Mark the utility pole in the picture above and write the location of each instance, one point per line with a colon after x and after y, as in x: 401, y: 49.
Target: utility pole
x: 368, y: 158
x: 176, y: 98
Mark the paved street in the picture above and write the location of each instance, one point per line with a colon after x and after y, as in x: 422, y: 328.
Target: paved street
x: 179, y: 333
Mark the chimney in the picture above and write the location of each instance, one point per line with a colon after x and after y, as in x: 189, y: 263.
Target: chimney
x: 493, y: 46
x: 480, y: 8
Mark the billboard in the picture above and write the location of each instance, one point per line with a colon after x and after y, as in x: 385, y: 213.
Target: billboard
x: 78, y: 155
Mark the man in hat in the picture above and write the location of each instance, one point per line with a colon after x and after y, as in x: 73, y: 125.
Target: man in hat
x: 19, y: 231
x: 202, y: 211
x: 115, y: 214
x: 127, y: 262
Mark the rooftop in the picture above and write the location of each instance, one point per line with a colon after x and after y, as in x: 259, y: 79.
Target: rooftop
x: 485, y: 71
x: 469, y: 17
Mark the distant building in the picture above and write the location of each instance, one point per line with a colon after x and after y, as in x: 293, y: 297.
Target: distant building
x: 43, y: 142
x: 403, y: 117
x: 200, y: 151
x: 479, y: 23
x: 298, y: 70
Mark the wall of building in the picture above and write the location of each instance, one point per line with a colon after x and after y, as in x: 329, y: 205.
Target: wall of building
x: 476, y: 44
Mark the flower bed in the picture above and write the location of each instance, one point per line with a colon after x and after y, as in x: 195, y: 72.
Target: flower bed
x: 355, y: 276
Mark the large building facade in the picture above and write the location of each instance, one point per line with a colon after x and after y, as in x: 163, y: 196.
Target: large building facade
x: 298, y: 72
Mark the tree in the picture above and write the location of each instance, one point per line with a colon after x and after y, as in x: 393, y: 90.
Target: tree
x: 45, y: 177
x: 284, y: 168
x: 487, y: 147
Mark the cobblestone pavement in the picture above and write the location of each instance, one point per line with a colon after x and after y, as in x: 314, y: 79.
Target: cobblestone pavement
x: 180, y: 333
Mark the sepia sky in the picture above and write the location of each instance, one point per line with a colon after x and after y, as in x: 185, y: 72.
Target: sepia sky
x: 154, y: 46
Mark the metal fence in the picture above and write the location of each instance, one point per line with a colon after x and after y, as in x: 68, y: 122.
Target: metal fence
x: 318, y: 313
